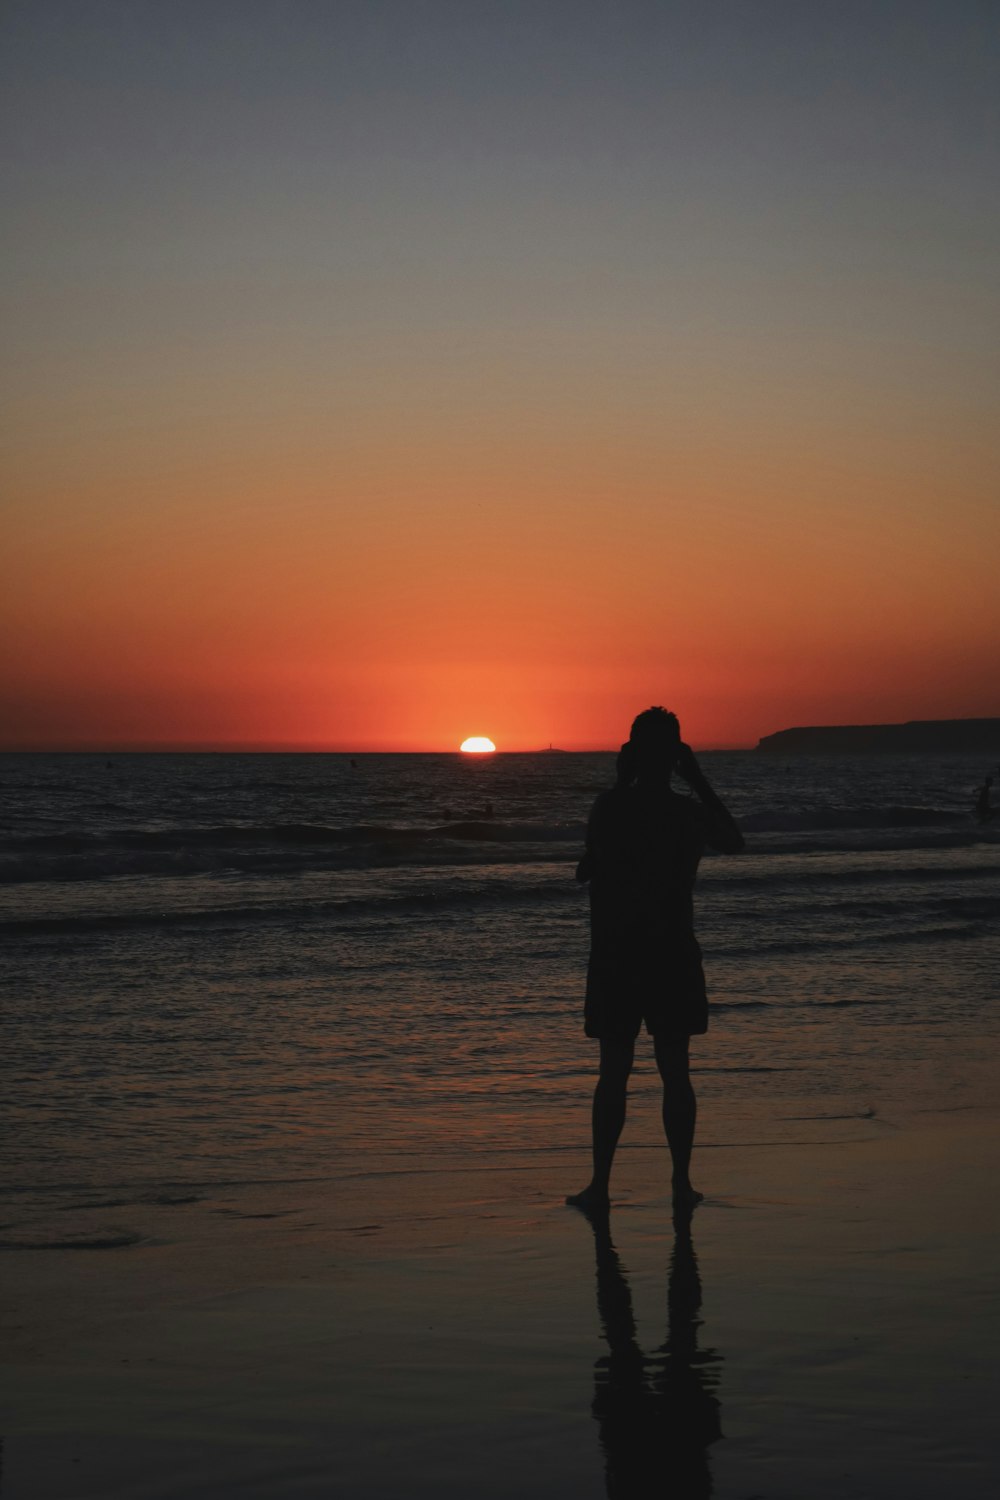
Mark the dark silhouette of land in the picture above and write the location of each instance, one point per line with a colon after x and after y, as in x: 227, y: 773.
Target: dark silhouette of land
x: 940, y: 736
x: 658, y: 1413
x: 644, y: 843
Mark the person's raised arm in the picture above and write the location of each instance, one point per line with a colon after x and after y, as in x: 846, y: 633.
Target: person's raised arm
x: 720, y: 827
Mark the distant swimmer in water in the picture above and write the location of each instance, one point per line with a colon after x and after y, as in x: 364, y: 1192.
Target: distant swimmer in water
x: 644, y: 842
x: 984, y: 812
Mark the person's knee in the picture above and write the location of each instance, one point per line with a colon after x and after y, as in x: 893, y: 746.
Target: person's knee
x: 672, y: 1062
x: 616, y: 1062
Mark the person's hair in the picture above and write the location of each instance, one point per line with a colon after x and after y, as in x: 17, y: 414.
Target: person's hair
x: 655, y: 727
x: 655, y: 735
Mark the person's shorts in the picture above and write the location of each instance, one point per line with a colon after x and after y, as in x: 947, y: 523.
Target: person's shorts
x: 663, y: 988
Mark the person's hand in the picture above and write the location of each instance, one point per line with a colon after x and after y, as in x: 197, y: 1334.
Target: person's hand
x: 686, y: 765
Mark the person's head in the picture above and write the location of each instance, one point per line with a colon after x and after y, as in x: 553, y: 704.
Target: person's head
x: 655, y: 741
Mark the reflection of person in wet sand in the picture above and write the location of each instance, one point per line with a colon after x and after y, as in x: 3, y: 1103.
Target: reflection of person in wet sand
x: 644, y: 842
x: 657, y: 1414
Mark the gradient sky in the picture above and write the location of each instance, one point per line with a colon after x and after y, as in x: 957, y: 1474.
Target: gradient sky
x: 382, y: 372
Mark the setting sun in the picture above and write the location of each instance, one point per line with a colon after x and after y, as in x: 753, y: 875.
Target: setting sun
x: 478, y: 745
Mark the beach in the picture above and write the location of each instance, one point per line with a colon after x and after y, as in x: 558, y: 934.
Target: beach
x: 295, y: 1085
x: 441, y: 1337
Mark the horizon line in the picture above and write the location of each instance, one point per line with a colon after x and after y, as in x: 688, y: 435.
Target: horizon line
x: 279, y: 749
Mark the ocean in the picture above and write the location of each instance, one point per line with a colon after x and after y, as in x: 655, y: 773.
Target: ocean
x: 245, y: 971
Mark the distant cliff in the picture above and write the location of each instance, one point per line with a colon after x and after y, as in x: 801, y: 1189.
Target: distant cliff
x: 936, y: 735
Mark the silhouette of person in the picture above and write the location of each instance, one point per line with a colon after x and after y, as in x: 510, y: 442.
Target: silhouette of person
x: 984, y: 812
x: 658, y: 1414
x: 644, y: 843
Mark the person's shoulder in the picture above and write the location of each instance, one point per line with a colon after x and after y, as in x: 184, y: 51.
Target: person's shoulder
x: 606, y: 802
x: 611, y: 796
x: 610, y: 806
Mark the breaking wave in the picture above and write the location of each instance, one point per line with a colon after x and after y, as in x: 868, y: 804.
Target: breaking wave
x: 275, y: 847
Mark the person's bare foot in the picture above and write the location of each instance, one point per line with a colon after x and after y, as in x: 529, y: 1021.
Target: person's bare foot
x: 591, y: 1201
x: 685, y: 1196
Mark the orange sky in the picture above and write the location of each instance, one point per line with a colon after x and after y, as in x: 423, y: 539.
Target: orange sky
x: 311, y: 447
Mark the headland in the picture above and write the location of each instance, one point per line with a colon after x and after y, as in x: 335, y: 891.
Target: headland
x: 934, y: 736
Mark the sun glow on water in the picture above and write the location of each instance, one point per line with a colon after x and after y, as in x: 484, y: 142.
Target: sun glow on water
x: 478, y: 745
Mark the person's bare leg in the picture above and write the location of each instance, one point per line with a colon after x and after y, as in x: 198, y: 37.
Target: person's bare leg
x: 679, y: 1115
x: 607, y: 1119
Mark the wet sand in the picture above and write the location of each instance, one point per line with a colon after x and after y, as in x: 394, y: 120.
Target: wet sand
x: 829, y: 1329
